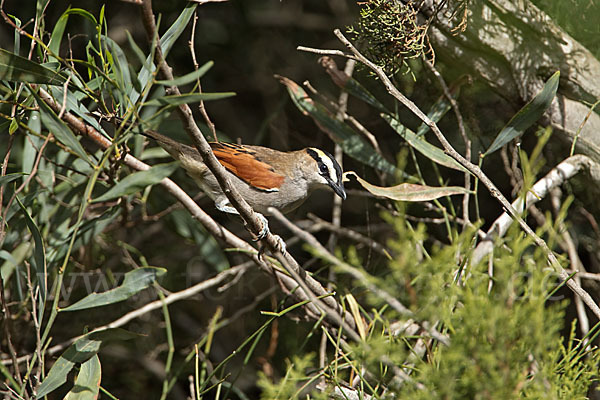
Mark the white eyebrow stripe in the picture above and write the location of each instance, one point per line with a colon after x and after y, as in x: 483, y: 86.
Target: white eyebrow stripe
x: 325, y: 159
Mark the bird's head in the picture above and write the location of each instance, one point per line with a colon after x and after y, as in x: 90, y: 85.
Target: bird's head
x: 325, y: 170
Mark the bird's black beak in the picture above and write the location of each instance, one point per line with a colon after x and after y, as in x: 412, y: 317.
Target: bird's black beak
x: 338, y: 189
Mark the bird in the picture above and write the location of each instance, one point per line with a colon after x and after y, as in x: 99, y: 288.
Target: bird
x: 264, y: 177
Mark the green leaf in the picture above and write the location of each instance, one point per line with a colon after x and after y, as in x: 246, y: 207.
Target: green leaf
x: 356, y: 89
x: 527, y: 115
x: 87, y: 384
x: 19, y: 69
x: 74, y: 106
x: 83, y: 13
x: 436, y: 112
x: 14, y: 125
x: 430, y: 151
x: 17, y: 46
x: 31, y: 143
x: 11, y: 177
x: 79, y: 352
x: 120, y: 65
x: 62, y: 132
x: 352, y: 143
x: 13, y: 259
x: 191, y: 77
x: 349, y: 84
x: 408, y: 191
x: 134, y: 282
x: 137, y: 181
x: 136, y: 49
x: 173, y: 33
x: 177, y: 100
x: 442, y: 105
x: 166, y: 43
x: 57, y: 34
x: 39, y: 253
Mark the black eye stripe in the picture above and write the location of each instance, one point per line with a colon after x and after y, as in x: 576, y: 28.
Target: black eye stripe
x: 313, y: 154
x: 325, y: 171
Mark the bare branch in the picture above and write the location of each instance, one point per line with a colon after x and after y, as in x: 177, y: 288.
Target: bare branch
x: 475, y: 170
x: 556, y: 177
x: 195, y: 211
x: 248, y: 215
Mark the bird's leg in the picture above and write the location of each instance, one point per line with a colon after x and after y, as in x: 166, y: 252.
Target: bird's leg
x: 224, y: 206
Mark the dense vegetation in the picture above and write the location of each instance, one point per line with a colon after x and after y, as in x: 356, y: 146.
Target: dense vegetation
x: 120, y: 279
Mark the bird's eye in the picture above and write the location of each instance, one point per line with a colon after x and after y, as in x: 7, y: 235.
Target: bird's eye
x: 323, y: 169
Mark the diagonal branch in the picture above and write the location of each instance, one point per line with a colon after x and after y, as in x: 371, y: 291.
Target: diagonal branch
x: 312, y: 288
x: 475, y: 170
x: 211, y: 226
x: 556, y: 177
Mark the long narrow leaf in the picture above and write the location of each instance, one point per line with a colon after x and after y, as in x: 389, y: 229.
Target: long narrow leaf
x: 168, y: 39
x: 430, y: 151
x: 120, y: 65
x: 355, y: 88
x: 527, y: 115
x: 74, y: 106
x: 39, y: 253
x: 134, y: 282
x: 349, y: 84
x: 59, y: 28
x: 79, y: 352
x: 191, y: 77
x: 352, y: 142
x: 11, y: 177
x: 442, y: 105
x: 19, y: 69
x: 57, y: 34
x: 436, y: 112
x: 408, y: 191
x: 87, y: 384
x: 137, y: 181
x: 166, y: 43
x: 62, y: 132
x: 177, y: 100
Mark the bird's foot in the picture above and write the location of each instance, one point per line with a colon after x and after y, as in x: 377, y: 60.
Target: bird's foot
x: 279, y: 243
x: 264, y: 230
x: 279, y: 246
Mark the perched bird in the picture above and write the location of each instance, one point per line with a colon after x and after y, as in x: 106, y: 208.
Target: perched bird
x: 263, y: 176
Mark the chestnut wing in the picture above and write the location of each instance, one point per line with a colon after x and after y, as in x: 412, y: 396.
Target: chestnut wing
x: 243, y: 163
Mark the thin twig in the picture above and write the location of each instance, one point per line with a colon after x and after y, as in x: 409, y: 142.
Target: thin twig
x: 349, y: 233
x: 201, y: 105
x: 195, y: 211
x: 576, y: 264
x: 354, y: 272
x: 475, y: 170
x: 325, y: 52
x: 556, y: 177
x: 11, y: 140
x: 463, y: 134
x: 311, y: 287
x: 8, y: 334
x: 587, y: 275
x: 347, y: 117
x: 36, y: 323
x: 336, y: 214
x: 172, y: 298
x: 29, y: 177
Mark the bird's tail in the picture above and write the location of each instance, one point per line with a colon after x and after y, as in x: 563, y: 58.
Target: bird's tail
x: 174, y: 148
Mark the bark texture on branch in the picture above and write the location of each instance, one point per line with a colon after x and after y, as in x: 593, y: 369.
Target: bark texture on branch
x: 514, y: 47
